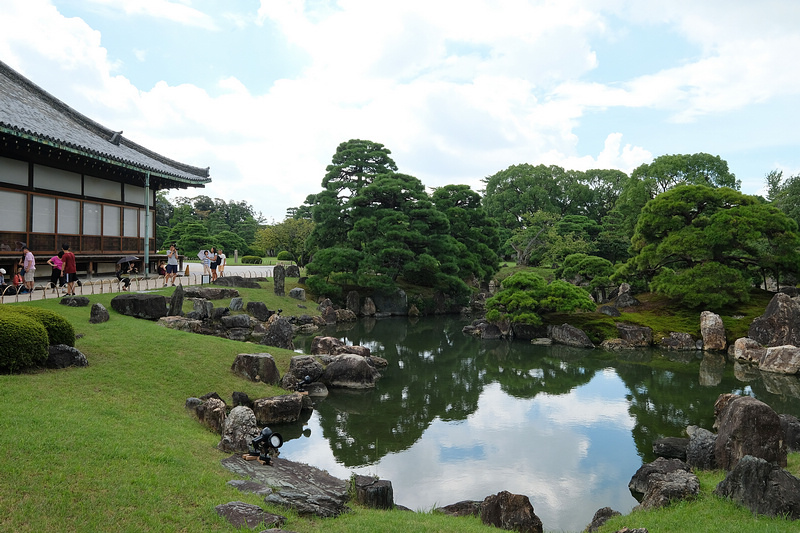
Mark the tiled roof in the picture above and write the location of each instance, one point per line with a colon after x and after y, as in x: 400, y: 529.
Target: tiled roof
x: 28, y: 111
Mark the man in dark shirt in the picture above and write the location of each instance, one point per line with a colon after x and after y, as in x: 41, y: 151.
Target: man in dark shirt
x: 70, y: 271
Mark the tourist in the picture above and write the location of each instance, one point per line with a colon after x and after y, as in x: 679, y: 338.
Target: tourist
x: 206, y: 264
x: 29, y: 264
x: 121, y: 271
x: 55, y: 276
x: 3, y: 285
x: 172, y: 265
x: 221, y: 257
x: 17, y: 280
x: 70, y: 271
x: 162, y: 269
x: 213, y: 264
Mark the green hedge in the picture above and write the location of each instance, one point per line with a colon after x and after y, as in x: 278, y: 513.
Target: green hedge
x: 59, y: 330
x: 23, y: 342
x: 251, y: 260
x: 285, y: 256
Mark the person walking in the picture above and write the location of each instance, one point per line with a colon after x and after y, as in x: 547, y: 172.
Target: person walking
x: 29, y: 264
x: 172, y: 264
x: 206, y: 264
x: 70, y: 271
x: 57, y: 266
x: 221, y: 258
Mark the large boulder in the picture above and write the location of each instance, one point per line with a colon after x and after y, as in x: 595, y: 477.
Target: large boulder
x: 278, y: 409
x: 210, y: 412
x: 353, y: 302
x: 350, y: 371
x: 374, y: 493
x: 395, y: 303
x: 210, y: 293
x: 176, y: 302
x: 239, y: 429
x: 98, y: 314
x: 256, y: 367
x: 663, y: 489
x: 240, y: 514
x: 748, y: 350
x: 635, y: 336
x: 325, y: 345
x: 368, y: 309
x: 74, y: 301
x: 601, y: 517
x: 791, y: 429
x: 259, y: 311
x: 569, y: 335
x: 298, y: 294
x: 279, y: 333
x: 762, y: 487
x: 671, y: 447
x: 625, y: 299
x: 279, y: 280
x: 713, y: 331
x: 780, y: 360
x: 509, y: 511
x: 700, y: 450
x: 746, y: 426
x: 292, y: 271
x: 301, y: 366
x: 678, y: 341
x: 237, y: 281
x: 147, y: 306
x: 780, y: 323
x: 639, y: 481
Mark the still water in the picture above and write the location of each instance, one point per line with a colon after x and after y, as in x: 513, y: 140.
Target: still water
x: 457, y: 418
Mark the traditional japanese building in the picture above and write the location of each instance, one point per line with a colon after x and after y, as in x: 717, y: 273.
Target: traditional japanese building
x: 66, y: 178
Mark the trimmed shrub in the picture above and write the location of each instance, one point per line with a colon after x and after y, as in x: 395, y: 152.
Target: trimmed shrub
x: 23, y: 342
x: 251, y: 260
x: 285, y: 256
x: 59, y: 330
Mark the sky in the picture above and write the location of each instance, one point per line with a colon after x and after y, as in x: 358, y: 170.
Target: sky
x: 263, y: 92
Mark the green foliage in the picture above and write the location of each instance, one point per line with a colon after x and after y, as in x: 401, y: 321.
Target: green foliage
x: 23, y: 341
x: 291, y: 236
x: 319, y: 286
x: 592, y: 270
x: 526, y: 295
x: 59, y: 330
x: 251, y: 260
x: 691, y: 226
x: 284, y: 256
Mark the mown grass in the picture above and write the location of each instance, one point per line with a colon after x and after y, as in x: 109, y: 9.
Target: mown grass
x: 111, y: 447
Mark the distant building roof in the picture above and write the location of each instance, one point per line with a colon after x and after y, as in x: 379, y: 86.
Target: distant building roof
x: 33, y: 115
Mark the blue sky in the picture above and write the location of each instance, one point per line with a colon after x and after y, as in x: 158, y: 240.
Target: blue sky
x: 264, y: 91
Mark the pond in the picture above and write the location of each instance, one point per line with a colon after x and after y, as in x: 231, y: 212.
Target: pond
x: 458, y: 418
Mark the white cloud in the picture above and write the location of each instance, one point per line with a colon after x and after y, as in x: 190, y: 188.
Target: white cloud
x: 180, y: 12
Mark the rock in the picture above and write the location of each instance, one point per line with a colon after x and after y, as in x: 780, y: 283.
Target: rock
x: 329, y: 315
x: 237, y: 281
x: 239, y: 429
x: 279, y: 279
x: 292, y: 271
x: 218, y: 313
x: 278, y: 409
x: 700, y: 450
x: 298, y: 294
x: 350, y: 371
x: 528, y: 331
x: 241, y: 398
x: 75, y: 301
x: 663, y: 489
x: 616, y: 345
x: 636, y: 336
x: 345, y: 315
x: 611, y: 311
x: 250, y: 486
x: 353, y: 302
x: 462, y: 508
x: 241, y: 514
x: 236, y: 321
x: 202, y: 308
x: 63, y: 356
x: 678, y: 341
x: 237, y: 304
x: 256, y: 367
x: 98, y: 314
x: 747, y: 350
x: 368, y: 309
x: 600, y: 518
x: 147, y: 306
x: 395, y: 303
x: 374, y: 493
x: 259, y: 311
x: 626, y: 299
x: 308, y: 490
x: 279, y: 333
x: 638, y: 482
x: 747, y: 426
x: 363, y: 351
x: 791, y: 429
x: 301, y: 366
x: 211, y: 413
x: 780, y: 360
x: 762, y: 487
x: 490, y: 331
x: 569, y: 335
x: 325, y: 345
x: 176, y: 302
x: 210, y: 293
x: 671, y: 447
x: 780, y: 323
x: 713, y: 331
x: 512, y: 512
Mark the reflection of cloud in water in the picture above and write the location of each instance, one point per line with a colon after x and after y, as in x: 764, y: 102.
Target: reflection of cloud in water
x: 570, y: 454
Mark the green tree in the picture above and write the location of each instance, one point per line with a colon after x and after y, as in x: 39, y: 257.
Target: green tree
x: 525, y: 296
x: 587, y: 270
x: 291, y: 236
x: 540, y: 243
x: 687, y: 233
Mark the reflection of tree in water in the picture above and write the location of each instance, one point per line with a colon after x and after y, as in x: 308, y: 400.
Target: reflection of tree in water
x: 664, y: 402
x: 432, y: 373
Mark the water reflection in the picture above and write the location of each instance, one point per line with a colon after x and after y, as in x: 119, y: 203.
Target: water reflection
x: 455, y: 418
